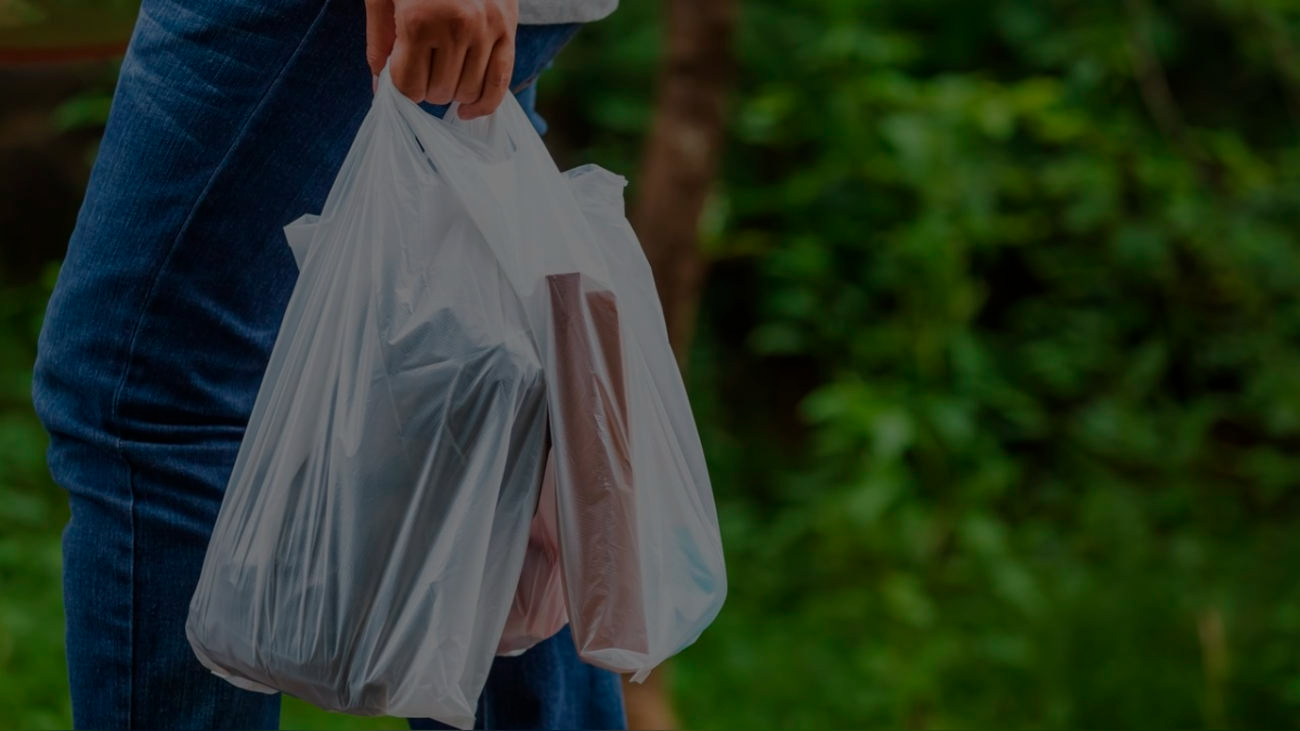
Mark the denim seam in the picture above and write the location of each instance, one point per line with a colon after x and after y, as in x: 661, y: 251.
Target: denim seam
x: 114, y: 410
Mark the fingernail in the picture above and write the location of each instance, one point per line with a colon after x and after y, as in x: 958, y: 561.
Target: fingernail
x: 374, y: 83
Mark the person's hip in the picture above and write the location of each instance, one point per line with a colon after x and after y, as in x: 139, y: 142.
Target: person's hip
x: 229, y: 121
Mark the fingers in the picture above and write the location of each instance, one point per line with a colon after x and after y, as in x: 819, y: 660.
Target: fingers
x: 445, y: 50
x: 445, y: 76
x: 470, y: 87
x: 496, y: 80
x: 409, y: 68
x: 381, y: 31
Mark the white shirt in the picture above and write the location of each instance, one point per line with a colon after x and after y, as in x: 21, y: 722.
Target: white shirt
x: 544, y: 12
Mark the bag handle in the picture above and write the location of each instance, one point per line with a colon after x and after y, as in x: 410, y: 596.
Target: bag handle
x: 481, y: 161
x: 499, y: 169
x: 489, y: 138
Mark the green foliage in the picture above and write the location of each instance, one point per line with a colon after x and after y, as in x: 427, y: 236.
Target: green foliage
x: 33, y: 694
x: 1043, y: 323
x: 297, y: 714
x: 83, y: 111
x: 997, y: 367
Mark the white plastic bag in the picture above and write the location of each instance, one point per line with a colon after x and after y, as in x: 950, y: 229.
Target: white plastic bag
x: 457, y: 302
x: 641, y: 557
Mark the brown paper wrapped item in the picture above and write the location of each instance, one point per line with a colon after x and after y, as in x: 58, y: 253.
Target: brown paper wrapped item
x: 595, y: 467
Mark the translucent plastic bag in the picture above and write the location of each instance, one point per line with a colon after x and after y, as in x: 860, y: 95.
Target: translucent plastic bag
x: 640, y: 557
x: 458, y: 302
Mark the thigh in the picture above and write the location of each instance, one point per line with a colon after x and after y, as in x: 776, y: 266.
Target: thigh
x: 164, y: 310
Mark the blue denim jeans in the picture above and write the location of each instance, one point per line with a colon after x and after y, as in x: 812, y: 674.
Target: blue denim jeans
x: 231, y: 118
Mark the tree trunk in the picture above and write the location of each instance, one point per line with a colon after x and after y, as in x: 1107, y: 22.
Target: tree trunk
x: 680, y: 159
x: 679, y: 164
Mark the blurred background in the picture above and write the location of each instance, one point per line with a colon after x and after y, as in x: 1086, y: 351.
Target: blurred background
x: 990, y: 314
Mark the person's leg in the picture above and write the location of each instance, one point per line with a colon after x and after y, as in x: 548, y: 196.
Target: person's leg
x: 160, y: 323
x: 230, y: 119
x: 574, y: 696
x: 547, y: 687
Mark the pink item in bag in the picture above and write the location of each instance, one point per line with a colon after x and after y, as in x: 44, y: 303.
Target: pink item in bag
x: 538, y: 612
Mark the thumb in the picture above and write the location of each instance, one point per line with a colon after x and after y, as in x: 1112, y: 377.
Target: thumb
x: 381, y: 31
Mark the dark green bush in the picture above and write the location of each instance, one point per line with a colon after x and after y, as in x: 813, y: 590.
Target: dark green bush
x: 1029, y: 271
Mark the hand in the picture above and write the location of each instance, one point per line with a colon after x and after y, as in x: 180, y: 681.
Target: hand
x: 445, y: 50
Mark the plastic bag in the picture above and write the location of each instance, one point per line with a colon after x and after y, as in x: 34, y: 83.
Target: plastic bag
x: 370, y: 538
x: 457, y: 302
x: 641, y: 554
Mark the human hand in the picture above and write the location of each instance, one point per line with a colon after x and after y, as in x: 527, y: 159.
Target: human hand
x: 445, y: 50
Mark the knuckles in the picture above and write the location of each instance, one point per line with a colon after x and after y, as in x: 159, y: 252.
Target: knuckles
x: 453, y: 24
x: 497, y: 23
x: 417, y: 20
x: 452, y: 20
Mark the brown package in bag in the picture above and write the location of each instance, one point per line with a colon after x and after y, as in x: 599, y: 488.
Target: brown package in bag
x: 602, y: 571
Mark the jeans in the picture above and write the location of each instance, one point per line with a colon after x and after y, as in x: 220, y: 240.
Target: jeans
x: 231, y: 118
